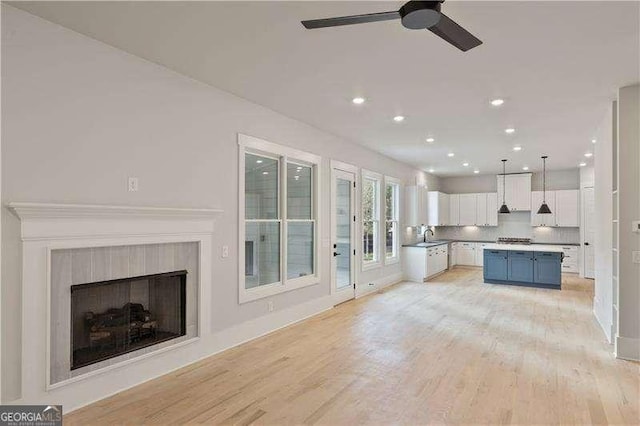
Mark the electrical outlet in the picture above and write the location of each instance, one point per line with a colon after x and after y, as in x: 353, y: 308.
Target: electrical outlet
x: 270, y: 305
x: 225, y: 251
x: 133, y: 184
x: 636, y: 257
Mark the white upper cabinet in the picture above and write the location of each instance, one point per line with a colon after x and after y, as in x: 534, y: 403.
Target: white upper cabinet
x: 467, y: 209
x: 438, y: 208
x: 454, y: 210
x: 416, y: 206
x: 517, y: 191
x: 536, y: 202
x: 481, y: 210
x: 568, y: 208
x: 564, y: 206
x: 492, y: 209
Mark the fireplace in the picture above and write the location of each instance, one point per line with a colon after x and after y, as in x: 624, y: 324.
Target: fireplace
x: 115, y: 317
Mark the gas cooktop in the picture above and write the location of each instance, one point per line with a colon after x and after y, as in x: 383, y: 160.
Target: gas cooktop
x: 509, y: 240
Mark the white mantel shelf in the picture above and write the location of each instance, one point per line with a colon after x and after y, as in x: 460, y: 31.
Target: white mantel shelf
x: 52, y: 210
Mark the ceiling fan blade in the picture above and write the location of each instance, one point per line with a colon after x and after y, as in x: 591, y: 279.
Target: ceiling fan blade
x: 349, y: 20
x: 447, y: 29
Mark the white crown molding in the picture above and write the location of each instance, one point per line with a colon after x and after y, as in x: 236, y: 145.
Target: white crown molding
x: 52, y: 210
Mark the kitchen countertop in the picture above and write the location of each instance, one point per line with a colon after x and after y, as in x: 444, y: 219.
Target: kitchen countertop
x: 502, y: 246
x: 524, y: 247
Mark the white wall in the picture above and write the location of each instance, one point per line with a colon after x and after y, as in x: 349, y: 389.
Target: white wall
x: 603, y: 287
x: 79, y: 117
x: 556, y: 179
x: 628, y: 338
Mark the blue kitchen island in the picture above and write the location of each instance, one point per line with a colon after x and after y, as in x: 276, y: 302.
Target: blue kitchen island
x: 523, y: 265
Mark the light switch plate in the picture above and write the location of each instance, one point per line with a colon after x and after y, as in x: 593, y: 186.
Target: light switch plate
x: 635, y: 226
x: 133, y: 184
x: 225, y: 251
x: 636, y: 257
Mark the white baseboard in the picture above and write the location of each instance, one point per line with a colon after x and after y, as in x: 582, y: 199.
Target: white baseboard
x: 379, y: 284
x: 118, y: 380
x: 628, y: 348
x: 606, y: 326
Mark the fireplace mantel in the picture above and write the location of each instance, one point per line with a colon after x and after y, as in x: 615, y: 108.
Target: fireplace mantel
x: 72, y: 221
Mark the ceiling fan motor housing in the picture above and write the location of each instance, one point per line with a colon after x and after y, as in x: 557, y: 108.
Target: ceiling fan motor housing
x: 420, y: 15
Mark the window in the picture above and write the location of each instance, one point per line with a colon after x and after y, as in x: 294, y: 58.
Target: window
x: 280, y: 251
x: 392, y: 205
x: 370, y: 219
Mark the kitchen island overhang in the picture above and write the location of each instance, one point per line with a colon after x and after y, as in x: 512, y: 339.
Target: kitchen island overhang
x: 523, y: 265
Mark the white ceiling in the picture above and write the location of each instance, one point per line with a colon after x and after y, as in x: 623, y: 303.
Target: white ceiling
x: 557, y: 65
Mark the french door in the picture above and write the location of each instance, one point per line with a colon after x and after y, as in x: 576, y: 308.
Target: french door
x: 343, y: 215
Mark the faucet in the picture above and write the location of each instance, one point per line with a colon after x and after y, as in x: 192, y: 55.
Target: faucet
x: 424, y: 234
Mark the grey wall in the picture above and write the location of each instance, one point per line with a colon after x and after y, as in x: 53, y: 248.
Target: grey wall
x: 556, y: 179
x: 79, y: 117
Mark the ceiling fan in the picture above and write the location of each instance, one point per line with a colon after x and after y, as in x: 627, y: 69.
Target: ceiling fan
x: 415, y: 15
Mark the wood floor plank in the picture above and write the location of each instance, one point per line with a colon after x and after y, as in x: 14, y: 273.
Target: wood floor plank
x: 450, y: 351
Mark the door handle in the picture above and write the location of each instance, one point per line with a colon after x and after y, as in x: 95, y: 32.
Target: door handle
x: 336, y: 253
x: 586, y: 244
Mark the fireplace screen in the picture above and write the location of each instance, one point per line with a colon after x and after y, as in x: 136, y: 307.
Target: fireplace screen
x: 111, y: 318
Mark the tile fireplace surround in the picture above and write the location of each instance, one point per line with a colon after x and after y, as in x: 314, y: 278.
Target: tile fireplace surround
x: 63, y: 245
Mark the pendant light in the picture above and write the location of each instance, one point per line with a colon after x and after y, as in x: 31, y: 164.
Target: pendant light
x: 504, y: 209
x: 544, y: 208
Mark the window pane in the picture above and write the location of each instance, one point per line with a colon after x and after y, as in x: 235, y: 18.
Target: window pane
x: 299, y: 191
x: 391, y: 195
x: 369, y: 237
x: 261, y: 253
x: 369, y: 203
x: 261, y: 187
x: 390, y: 239
x: 299, y: 249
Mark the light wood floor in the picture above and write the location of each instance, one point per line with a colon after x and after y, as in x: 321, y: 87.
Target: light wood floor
x: 450, y: 351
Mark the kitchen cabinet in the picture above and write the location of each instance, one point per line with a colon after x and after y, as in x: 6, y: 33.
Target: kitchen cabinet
x: 438, y: 208
x: 564, y: 206
x: 479, y: 254
x: 495, y: 265
x: 492, y: 209
x: 454, y: 210
x: 570, y: 261
x: 482, y: 218
x: 568, y: 208
x: 467, y: 209
x: 453, y: 254
x: 517, y: 193
x: 466, y: 254
x: 416, y: 205
x: 520, y: 266
x: 546, y: 268
x: 543, y: 219
x: 422, y: 263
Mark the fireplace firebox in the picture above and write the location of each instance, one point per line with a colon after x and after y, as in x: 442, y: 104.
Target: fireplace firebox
x: 115, y: 317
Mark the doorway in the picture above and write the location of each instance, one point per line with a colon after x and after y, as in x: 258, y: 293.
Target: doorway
x: 343, y: 220
x: 588, y: 254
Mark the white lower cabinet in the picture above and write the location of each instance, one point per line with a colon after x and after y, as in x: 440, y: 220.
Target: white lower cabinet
x: 570, y: 260
x: 480, y: 254
x: 420, y: 264
x: 466, y: 254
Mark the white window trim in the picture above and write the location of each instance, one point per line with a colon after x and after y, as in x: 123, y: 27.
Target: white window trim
x: 368, y: 174
x: 286, y: 154
x: 398, y: 201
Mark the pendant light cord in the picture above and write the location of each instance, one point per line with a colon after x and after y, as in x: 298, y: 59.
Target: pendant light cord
x: 544, y: 179
x: 504, y: 180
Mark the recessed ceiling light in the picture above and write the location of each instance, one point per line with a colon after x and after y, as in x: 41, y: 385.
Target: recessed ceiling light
x: 593, y: 141
x: 358, y: 100
x: 588, y: 154
x: 299, y: 168
x: 509, y: 130
x: 517, y: 148
x: 497, y: 102
x: 398, y: 118
x: 430, y: 140
x: 582, y: 164
x: 259, y: 161
x: 451, y: 154
x: 525, y: 168
x: 265, y: 173
x: 465, y: 164
x: 296, y: 177
x: 476, y: 171
x: 431, y: 170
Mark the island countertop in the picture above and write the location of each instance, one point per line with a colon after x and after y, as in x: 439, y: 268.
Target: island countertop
x: 524, y: 247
